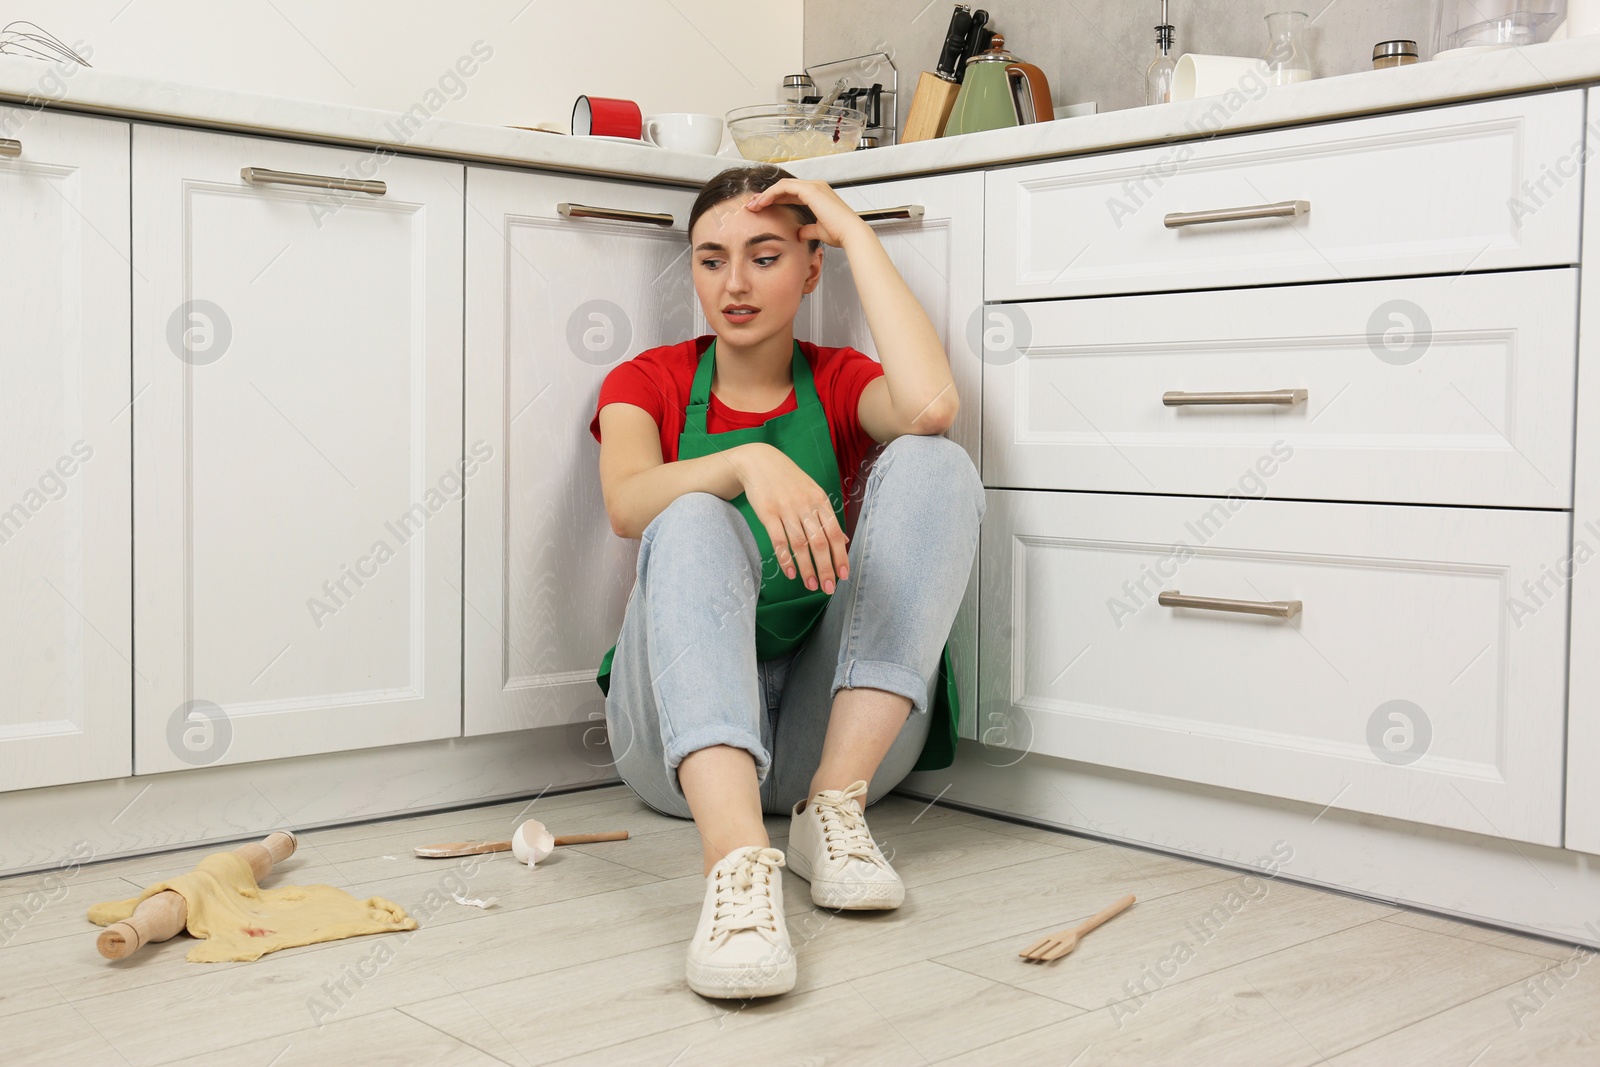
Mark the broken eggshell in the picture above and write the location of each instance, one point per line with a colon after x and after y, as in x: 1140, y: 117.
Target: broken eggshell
x: 532, y: 842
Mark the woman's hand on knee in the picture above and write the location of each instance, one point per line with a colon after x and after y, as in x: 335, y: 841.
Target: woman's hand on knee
x: 798, y: 517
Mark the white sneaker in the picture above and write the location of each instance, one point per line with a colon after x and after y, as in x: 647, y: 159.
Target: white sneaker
x: 830, y: 847
x: 741, y: 947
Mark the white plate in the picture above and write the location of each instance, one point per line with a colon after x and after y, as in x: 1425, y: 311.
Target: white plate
x: 624, y: 140
x: 1470, y: 50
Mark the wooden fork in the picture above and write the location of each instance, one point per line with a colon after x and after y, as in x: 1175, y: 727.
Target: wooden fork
x: 1054, y: 946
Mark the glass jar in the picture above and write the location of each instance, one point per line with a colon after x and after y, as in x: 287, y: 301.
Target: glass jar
x: 1386, y: 54
x: 1288, y: 59
x: 795, y: 88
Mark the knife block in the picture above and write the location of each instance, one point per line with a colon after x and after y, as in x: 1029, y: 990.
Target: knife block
x: 930, y: 108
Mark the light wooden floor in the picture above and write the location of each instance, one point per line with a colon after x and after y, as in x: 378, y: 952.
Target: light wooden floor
x: 582, y: 962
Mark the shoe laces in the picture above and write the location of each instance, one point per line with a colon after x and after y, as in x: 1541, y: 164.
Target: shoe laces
x: 844, y: 828
x: 744, y: 895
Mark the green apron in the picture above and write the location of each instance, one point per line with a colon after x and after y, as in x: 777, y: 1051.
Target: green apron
x: 786, y: 611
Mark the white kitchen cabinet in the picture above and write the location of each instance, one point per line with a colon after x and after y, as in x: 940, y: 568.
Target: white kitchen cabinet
x: 298, y: 449
x: 66, y: 643
x: 1579, y: 566
x: 554, y: 302
x: 940, y: 255
x: 1400, y: 681
x: 1448, y: 390
x: 1482, y: 186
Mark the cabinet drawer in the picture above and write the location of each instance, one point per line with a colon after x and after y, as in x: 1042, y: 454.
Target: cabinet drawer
x: 1434, y: 191
x: 1421, y: 678
x: 1421, y: 390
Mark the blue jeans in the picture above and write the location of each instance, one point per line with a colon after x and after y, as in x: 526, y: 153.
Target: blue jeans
x: 685, y: 675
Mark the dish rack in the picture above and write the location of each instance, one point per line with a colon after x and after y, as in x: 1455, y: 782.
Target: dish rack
x: 861, y: 74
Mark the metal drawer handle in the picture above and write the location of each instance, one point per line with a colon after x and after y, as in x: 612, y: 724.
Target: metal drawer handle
x: 1284, y: 397
x: 1278, y: 609
x: 9, y: 147
x: 914, y: 212
x: 263, y: 176
x: 616, y: 214
x: 1287, y: 209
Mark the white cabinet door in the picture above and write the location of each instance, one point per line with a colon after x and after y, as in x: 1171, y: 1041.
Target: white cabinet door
x: 1580, y: 566
x: 1418, y: 680
x: 940, y: 255
x: 1482, y: 186
x: 66, y: 646
x: 298, y: 452
x: 554, y: 302
x: 1453, y: 390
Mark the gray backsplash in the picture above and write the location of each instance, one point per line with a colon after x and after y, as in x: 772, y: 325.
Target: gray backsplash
x: 1098, y: 49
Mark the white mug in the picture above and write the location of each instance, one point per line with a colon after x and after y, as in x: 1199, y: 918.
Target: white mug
x: 684, y: 132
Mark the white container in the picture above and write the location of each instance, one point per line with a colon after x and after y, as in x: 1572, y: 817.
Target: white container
x: 1464, y: 24
x: 1202, y: 75
x: 1583, y: 18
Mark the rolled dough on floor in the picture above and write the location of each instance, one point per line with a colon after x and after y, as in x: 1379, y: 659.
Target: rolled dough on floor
x: 239, y: 921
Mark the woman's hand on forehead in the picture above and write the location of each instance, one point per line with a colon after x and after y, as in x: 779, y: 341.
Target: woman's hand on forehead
x: 836, y: 220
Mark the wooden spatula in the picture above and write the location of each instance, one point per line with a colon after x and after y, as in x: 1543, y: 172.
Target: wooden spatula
x: 473, y: 848
x: 1054, y: 946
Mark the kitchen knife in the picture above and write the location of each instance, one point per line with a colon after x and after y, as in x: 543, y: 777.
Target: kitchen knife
x: 937, y: 89
x: 974, y: 43
x: 955, y: 44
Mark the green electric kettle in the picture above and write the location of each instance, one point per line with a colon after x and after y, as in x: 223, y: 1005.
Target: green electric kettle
x: 999, y: 90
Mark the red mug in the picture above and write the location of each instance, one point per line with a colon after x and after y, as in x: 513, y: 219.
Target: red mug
x: 603, y: 116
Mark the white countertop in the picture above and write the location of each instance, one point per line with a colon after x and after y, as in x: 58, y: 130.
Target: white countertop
x: 1531, y: 69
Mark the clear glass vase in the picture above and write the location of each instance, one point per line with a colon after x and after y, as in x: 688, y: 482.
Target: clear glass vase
x: 1288, y: 59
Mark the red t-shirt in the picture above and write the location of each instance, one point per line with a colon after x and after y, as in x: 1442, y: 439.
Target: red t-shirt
x: 659, y: 379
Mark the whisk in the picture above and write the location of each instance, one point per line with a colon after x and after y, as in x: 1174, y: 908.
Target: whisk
x: 42, y: 45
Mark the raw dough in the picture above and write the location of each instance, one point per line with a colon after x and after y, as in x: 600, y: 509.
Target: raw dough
x: 240, y: 921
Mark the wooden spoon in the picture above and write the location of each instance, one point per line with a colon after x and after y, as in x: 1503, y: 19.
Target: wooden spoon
x: 473, y: 848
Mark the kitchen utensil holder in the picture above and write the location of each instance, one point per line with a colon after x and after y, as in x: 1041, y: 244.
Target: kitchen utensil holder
x: 861, y: 73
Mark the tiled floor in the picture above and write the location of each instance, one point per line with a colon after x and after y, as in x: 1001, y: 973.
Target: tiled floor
x: 582, y: 962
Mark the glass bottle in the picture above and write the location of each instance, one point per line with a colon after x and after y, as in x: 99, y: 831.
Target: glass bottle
x: 1158, y: 76
x: 1288, y: 59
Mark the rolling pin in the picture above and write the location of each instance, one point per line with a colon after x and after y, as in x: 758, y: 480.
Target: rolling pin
x: 165, y: 914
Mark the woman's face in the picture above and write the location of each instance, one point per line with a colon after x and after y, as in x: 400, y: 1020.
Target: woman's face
x: 751, y: 260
